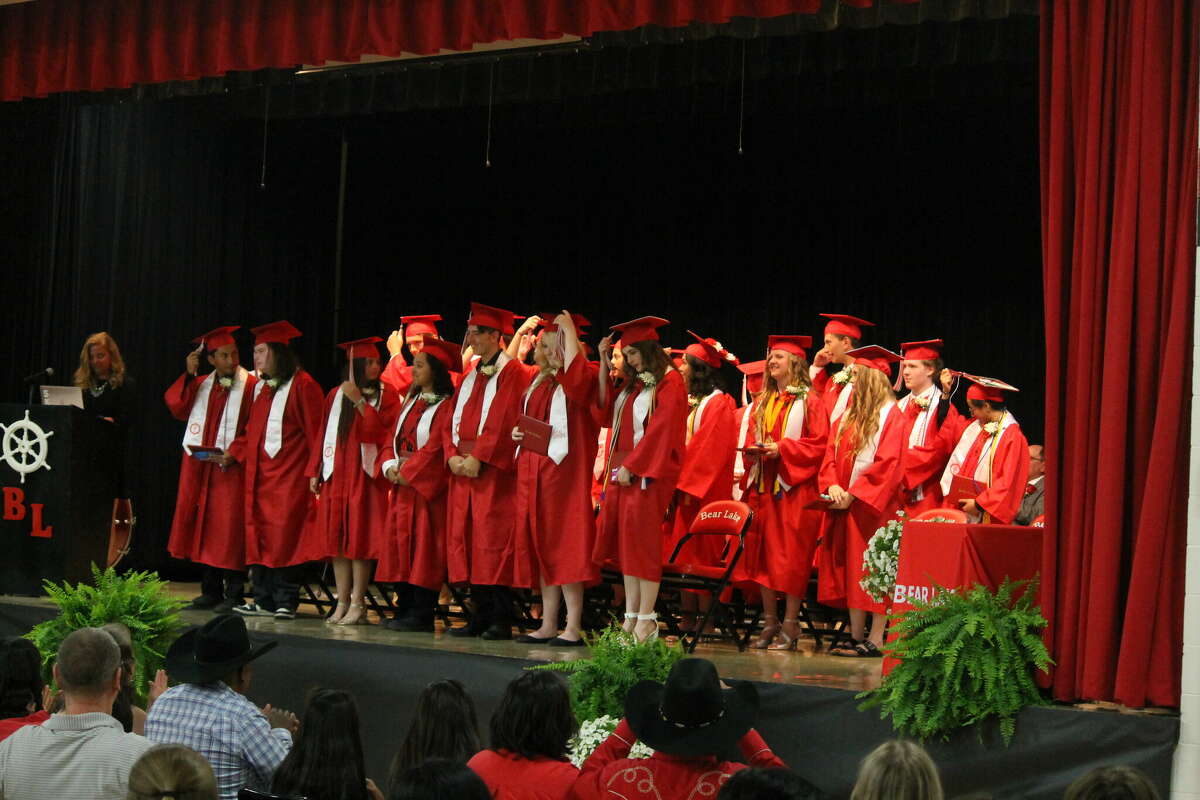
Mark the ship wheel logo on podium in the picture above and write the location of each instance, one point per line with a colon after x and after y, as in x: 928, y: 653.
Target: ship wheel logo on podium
x: 25, y: 446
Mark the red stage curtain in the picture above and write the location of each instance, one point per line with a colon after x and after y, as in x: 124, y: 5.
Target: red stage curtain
x: 1118, y: 163
x: 80, y: 45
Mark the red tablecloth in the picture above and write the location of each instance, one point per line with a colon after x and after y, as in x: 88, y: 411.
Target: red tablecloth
x: 955, y: 556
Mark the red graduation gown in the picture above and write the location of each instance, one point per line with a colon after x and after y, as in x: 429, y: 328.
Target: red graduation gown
x: 828, y: 390
x: 353, y: 505
x: 397, y: 375
x: 555, y: 522
x: 706, y: 476
x: 414, y: 548
x: 278, y: 503
x: 1009, y: 471
x: 845, y: 534
x: 924, y: 463
x: 209, y: 527
x: 629, y: 530
x: 481, y: 514
x: 781, y: 543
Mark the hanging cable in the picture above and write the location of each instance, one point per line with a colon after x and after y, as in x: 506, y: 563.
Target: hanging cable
x: 262, y: 178
x: 742, y: 101
x: 487, y: 152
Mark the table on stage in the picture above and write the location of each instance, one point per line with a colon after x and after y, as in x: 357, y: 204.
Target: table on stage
x: 954, y: 556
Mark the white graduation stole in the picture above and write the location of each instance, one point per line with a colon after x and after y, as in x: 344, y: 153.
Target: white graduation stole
x: 920, y: 428
x: 698, y: 412
x: 369, y: 451
x: 273, y: 439
x: 983, y: 470
x: 559, y: 444
x: 464, y: 394
x: 793, y: 428
x: 843, y: 400
x: 193, y: 435
x: 424, y: 424
x: 866, y: 456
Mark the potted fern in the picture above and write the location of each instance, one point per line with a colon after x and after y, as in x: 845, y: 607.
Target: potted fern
x: 599, y: 684
x: 137, y: 599
x: 965, y: 657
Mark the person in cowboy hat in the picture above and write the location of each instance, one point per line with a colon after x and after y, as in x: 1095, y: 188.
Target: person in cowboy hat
x: 690, y: 721
x: 208, y: 710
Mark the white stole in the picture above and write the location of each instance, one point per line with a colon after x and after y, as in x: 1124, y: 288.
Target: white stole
x: 464, y: 394
x: 698, y: 412
x: 369, y: 451
x: 193, y: 435
x: 559, y: 444
x: 866, y: 456
x: 916, y: 436
x: 273, y: 440
x: 641, y: 412
x: 983, y: 470
x: 843, y: 400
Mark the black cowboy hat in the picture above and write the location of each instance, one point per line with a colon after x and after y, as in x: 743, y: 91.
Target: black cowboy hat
x: 690, y: 714
x: 209, y: 652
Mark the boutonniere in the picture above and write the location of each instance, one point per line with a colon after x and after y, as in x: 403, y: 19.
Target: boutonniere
x: 843, y: 377
x: 693, y: 401
x: 921, y: 402
x: 647, y: 378
x: 488, y: 370
x: 991, y: 428
x: 273, y: 383
x: 797, y: 391
x: 431, y: 398
x: 225, y: 382
x: 367, y: 391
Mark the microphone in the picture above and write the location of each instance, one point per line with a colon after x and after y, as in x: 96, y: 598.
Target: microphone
x: 40, y: 376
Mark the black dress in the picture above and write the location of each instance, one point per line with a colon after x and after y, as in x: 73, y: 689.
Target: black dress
x: 120, y: 406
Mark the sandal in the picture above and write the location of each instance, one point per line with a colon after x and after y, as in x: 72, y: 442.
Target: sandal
x: 789, y: 641
x: 769, y: 632
x: 845, y: 649
x: 867, y: 649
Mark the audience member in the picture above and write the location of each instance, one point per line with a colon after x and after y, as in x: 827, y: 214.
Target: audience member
x: 131, y: 716
x: 1033, y: 502
x: 444, y: 726
x: 897, y: 770
x: 21, y: 686
x: 326, y: 760
x: 82, y: 752
x: 209, y: 712
x: 767, y: 784
x: 438, y: 779
x: 1112, y: 783
x: 689, y: 721
x: 172, y: 771
x: 530, y: 732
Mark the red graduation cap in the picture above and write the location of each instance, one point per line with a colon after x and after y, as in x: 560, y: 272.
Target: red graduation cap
x: 929, y: 350
x: 548, y: 323
x: 217, y: 337
x: 492, y: 317
x: 796, y: 345
x: 280, y: 332
x: 418, y: 325
x: 362, y: 348
x: 710, y: 351
x: 843, y: 325
x: 753, y: 381
x: 875, y: 357
x: 642, y: 329
x: 991, y: 389
x: 446, y: 352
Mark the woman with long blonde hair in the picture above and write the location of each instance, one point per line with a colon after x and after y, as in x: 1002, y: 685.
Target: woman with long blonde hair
x: 898, y: 770
x: 861, y: 475
x: 108, y: 393
x: 784, y: 447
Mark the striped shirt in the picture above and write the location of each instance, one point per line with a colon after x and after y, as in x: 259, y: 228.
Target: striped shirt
x: 225, y: 728
x: 70, y: 757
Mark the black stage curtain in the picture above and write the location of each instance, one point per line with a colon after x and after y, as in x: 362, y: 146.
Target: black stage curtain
x: 903, y: 194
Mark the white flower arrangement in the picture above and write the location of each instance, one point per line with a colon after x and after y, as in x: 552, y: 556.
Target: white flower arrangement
x: 881, y: 559
x: 844, y: 377
x: 921, y: 402
x: 592, y: 733
x: 991, y: 428
x: 273, y: 383
x: 431, y: 398
x: 797, y: 391
x: 647, y: 378
x: 225, y: 382
x: 488, y: 370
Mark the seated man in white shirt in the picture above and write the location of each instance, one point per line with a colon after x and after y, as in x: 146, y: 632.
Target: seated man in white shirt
x: 1033, y: 502
x: 83, y: 751
x: 209, y: 712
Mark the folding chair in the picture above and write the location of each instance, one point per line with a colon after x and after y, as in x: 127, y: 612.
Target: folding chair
x: 722, y: 518
x: 954, y: 515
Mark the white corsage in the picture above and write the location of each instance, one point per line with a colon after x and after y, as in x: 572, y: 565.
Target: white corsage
x: 225, y: 382
x: 647, y: 378
x: 796, y: 391
x: 431, y: 398
x: 991, y: 428
x: 693, y: 401
x: 488, y: 370
x: 843, y: 377
x: 273, y: 383
x: 921, y: 402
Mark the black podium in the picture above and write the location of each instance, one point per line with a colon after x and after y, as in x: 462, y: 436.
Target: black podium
x: 58, y: 478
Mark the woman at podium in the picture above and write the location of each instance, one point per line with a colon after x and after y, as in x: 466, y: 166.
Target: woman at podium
x: 108, y: 392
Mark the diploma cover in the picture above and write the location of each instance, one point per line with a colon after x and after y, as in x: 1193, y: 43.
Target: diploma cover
x: 537, y: 434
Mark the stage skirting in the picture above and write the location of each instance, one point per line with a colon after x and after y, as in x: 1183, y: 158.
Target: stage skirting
x: 818, y: 731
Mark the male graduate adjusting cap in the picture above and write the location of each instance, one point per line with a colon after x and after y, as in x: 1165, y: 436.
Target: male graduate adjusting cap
x: 217, y: 337
x: 928, y: 350
x: 845, y: 325
x: 418, y: 325
x: 642, y: 329
x: 280, y: 332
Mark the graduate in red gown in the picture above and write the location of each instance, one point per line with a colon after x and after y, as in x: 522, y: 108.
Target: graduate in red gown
x: 480, y: 545
x: 843, y: 333
x: 784, y: 448
x: 991, y: 451
x: 283, y: 432
x: 412, y: 332
x: 648, y: 420
x: 707, y: 474
x: 928, y: 409
x: 861, y: 474
x: 616, y: 375
x: 414, y: 547
x: 752, y: 383
x: 555, y: 519
x: 208, y: 527
x: 345, y: 475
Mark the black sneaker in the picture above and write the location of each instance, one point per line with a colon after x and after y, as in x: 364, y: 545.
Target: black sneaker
x: 251, y: 609
x: 410, y: 625
x: 285, y: 613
